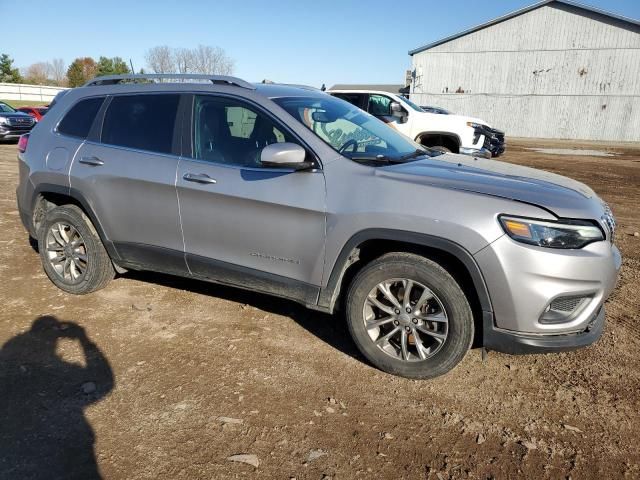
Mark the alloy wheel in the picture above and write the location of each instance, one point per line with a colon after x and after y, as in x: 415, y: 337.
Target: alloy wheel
x: 66, y: 252
x: 405, y: 319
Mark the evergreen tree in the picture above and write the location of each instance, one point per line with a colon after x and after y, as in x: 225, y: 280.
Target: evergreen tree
x: 8, y: 74
x: 112, y: 66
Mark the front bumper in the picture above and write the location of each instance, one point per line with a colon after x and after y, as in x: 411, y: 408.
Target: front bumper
x: 523, y: 280
x: 521, y: 343
x: 489, y: 139
x: 10, y: 133
x: 497, y: 142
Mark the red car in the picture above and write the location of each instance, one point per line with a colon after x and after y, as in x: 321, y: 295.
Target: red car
x: 35, y: 112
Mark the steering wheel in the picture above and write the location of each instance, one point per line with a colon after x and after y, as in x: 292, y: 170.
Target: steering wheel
x: 349, y: 143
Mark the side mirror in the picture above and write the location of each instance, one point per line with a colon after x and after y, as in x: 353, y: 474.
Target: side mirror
x: 397, y: 110
x: 286, y: 155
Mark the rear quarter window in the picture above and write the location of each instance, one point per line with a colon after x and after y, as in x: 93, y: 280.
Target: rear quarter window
x: 77, y: 122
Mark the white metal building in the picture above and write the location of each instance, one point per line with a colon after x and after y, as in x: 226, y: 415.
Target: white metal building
x: 556, y: 69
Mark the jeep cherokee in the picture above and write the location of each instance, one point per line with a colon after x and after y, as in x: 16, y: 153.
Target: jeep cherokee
x: 289, y: 191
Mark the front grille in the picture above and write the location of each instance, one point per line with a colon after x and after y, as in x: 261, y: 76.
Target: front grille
x: 498, y: 134
x: 496, y: 142
x: 20, y: 122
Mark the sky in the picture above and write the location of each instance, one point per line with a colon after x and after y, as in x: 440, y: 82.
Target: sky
x: 308, y: 42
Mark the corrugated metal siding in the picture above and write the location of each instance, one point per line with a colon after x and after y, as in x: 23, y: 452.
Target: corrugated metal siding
x: 554, y: 72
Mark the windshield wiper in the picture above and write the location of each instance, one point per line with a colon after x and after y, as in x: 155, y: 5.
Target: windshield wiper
x: 415, y: 154
x: 389, y: 160
x: 372, y: 159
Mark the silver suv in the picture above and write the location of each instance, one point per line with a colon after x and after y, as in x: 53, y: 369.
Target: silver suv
x: 289, y: 191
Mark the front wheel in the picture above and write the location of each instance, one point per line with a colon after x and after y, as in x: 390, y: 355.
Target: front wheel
x: 409, y: 316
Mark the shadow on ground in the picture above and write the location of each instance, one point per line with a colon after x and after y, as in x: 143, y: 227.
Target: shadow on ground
x: 331, y: 329
x: 43, y: 432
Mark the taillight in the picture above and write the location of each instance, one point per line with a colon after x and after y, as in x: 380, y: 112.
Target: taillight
x: 23, y: 142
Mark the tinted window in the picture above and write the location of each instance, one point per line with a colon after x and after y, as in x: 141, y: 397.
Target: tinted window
x: 352, y: 98
x: 144, y: 122
x: 77, y: 122
x: 227, y: 131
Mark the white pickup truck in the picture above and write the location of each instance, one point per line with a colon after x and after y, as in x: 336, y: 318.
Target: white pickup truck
x: 449, y: 133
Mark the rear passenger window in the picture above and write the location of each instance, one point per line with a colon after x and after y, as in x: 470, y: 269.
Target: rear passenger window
x: 352, y: 98
x: 144, y: 122
x: 77, y: 122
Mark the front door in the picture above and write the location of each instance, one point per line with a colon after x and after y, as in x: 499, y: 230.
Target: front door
x: 261, y: 228
x: 380, y: 107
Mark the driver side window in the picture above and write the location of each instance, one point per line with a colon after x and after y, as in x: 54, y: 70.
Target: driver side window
x: 230, y: 132
x: 379, y: 105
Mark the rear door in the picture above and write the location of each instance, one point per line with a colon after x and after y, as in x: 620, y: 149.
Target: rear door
x: 127, y: 172
x: 357, y: 99
x: 262, y: 228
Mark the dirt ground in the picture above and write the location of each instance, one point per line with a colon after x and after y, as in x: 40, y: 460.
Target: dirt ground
x: 180, y: 375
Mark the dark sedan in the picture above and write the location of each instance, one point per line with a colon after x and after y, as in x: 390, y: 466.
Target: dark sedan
x: 14, y: 123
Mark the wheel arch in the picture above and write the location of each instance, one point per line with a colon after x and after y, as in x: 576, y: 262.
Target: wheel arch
x: 369, y: 244
x: 50, y: 195
x: 450, y: 139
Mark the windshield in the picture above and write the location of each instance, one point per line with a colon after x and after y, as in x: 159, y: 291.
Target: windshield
x: 4, y: 108
x: 349, y: 130
x: 411, y: 104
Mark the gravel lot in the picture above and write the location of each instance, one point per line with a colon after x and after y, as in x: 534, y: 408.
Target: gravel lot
x: 179, y: 376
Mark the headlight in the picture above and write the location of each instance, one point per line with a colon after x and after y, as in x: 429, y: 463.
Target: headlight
x: 475, y: 125
x: 4, y: 121
x: 568, y: 234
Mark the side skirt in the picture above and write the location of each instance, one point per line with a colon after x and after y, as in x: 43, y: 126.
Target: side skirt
x: 163, y: 260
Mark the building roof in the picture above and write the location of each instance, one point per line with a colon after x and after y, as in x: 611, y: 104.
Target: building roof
x: 521, y: 11
x: 390, y: 88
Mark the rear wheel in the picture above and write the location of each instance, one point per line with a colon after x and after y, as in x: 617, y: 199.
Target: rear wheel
x: 409, y: 316
x: 71, y: 251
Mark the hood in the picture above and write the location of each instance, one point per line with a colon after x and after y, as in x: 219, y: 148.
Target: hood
x: 465, y: 119
x: 454, y: 119
x: 15, y: 115
x: 561, y: 195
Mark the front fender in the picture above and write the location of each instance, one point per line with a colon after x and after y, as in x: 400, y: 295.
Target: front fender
x: 329, y: 293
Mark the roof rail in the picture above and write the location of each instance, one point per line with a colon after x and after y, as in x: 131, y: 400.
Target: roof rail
x: 303, y: 87
x: 218, y: 79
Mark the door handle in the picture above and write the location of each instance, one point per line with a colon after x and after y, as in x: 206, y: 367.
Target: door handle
x: 198, y: 178
x: 93, y: 161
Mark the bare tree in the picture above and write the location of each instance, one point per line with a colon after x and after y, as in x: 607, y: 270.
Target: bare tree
x: 203, y: 59
x: 212, y: 61
x: 183, y: 59
x: 58, y: 71
x: 37, y: 73
x: 160, y: 60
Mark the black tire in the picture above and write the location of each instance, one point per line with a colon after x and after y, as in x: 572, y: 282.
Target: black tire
x: 98, y: 269
x: 440, y: 148
x: 442, y: 284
